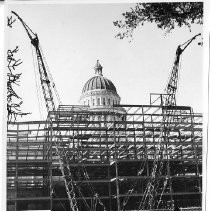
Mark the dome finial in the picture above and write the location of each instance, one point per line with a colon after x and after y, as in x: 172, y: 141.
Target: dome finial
x: 98, y: 68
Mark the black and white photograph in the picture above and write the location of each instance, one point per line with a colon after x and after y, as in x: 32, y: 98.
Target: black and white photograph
x: 105, y: 106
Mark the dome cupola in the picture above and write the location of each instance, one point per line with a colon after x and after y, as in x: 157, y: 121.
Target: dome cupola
x: 99, y: 92
x: 98, y: 68
x: 99, y: 82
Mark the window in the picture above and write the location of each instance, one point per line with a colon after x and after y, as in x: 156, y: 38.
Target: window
x: 93, y: 102
x: 98, y: 101
x: 104, y: 102
x: 109, y: 102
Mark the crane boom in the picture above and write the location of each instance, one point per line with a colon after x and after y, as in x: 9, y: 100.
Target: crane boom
x: 150, y: 199
x: 50, y: 105
x: 44, y: 78
x: 171, y: 87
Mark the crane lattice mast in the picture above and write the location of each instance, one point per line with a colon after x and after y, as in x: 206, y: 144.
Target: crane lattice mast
x: 44, y: 78
x: 172, y: 85
x: 50, y: 105
x: 150, y: 200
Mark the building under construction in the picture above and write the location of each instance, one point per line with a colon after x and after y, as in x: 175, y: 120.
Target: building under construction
x: 101, y: 155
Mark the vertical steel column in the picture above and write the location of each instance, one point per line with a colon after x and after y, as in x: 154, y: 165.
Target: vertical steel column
x: 117, y: 186
x: 109, y: 179
x: 16, y: 170
x: 100, y: 131
x: 195, y: 152
x: 74, y: 154
x: 116, y: 166
x: 50, y: 167
x: 134, y: 136
x: 145, y: 141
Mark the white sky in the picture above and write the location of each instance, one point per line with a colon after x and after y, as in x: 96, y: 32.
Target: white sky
x: 73, y: 37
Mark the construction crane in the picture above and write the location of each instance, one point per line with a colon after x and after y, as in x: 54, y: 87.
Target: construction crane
x: 46, y: 83
x: 47, y: 87
x: 171, y: 87
x: 150, y: 198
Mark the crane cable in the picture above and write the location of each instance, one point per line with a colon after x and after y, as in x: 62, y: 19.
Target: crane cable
x: 50, y: 76
x: 79, y: 191
x: 38, y: 90
x: 155, y: 165
x: 130, y: 191
x: 72, y: 199
x: 96, y: 195
x: 132, y: 187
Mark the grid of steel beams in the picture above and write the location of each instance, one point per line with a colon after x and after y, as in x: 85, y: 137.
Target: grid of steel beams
x: 110, y: 155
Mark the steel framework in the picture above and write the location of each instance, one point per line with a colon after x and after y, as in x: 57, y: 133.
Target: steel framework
x: 108, y: 156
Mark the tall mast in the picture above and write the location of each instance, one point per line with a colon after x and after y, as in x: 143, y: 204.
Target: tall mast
x: 50, y: 105
x: 44, y: 78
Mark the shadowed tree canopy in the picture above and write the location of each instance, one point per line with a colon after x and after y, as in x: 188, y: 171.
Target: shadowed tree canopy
x: 166, y: 16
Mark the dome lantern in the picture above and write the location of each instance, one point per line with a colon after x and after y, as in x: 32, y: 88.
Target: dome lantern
x: 98, y: 68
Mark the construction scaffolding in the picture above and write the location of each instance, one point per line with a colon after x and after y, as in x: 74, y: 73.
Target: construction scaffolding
x: 105, y: 159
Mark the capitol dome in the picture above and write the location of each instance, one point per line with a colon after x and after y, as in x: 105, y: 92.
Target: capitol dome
x: 99, y: 82
x: 99, y: 92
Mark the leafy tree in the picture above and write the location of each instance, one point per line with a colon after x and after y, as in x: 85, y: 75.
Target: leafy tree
x: 167, y: 16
